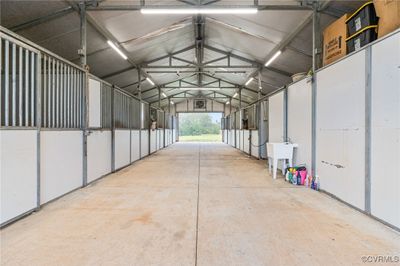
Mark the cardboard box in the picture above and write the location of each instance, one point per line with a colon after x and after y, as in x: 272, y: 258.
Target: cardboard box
x: 334, y: 45
x: 388, y: 12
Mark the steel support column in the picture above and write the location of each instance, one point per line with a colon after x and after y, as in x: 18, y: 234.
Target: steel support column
x: 83, y: 40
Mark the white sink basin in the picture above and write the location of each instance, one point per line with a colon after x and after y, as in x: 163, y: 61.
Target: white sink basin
x: 280, y: 151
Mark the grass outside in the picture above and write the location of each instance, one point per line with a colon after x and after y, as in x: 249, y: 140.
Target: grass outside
x: 201, y: 138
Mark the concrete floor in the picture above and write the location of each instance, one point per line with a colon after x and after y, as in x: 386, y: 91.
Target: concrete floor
x: 204, y: 204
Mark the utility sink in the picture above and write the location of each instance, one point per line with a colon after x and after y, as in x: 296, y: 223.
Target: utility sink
x: 279, y: 151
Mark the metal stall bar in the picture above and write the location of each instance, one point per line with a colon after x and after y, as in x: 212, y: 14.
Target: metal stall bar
x: 20, y: 87
x: 44, y: 91
x: 48, y: 92
x: 68, y: 96
x: 6, y: 81
x: 1, y: 84
x: 14, y: 84
x: 53, y: 93
x: 38, y: 123
x: 62, y: 89
x: 33, y: 89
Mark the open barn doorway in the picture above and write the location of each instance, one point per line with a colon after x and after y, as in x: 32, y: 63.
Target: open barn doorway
x: 200, y: 127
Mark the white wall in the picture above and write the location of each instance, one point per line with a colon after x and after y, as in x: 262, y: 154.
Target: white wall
x: 98, y: 154
x: 300, y: 121
x: 241, y: 144
x: 122, y: 148
x: 153, y: 141
x: 254, y: 142
x: 246, y: 146
x: 276, y: 117
x: 341, y: 129
x: 18, y: 172
x: 135, y: 144
x: 385, y: 138
x: 94, y: 103
x: 61, y: 163
x: 237, y: 143
x: 145, y: 143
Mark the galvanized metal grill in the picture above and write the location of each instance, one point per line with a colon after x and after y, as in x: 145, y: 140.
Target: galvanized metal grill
x: 19, y: 83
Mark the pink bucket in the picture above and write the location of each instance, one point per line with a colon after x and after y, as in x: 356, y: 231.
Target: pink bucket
x: 303, y: 176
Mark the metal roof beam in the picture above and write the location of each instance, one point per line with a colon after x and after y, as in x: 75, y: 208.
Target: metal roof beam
x: 37, y: 21
x: 298, y: 7
x: 168, y: 55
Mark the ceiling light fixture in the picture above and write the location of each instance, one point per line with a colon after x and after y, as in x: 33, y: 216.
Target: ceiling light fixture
x: 200, y: 88
x: 150, y: 81
x: 248, y: 82
x: 172, y: 103
x: 273, y: 58
x: 164, y: 95
x: 228, y: 102
x: 158, y: 11
x: 234, y: 95
x: 117, y: 49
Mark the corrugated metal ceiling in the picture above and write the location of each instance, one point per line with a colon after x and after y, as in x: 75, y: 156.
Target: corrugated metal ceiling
x: 250, y: 39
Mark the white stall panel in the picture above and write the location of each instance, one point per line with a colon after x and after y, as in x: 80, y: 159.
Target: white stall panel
x: 135, y: 142
x: 153, y: 141
x: 99, y: 154
x: 237, y: 144
x: 254, y: 143
x: 174, y: 136
x: 341, y: 129
x: 300, y: 121
x: 18, y: 172
x: 246, y: 146
x: 276, y: 117
x: 241, y: 144
x: 122, y: 148
x: 232, y: 137
x: 385, y: 148
x: 160, y: 139
x: 61, y: 156
x: 145, y: 143
x: 94, y: 103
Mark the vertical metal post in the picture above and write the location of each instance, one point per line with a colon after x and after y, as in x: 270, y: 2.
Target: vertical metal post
x: 240, y: 98
x: 6, y: 81
x: 159, y: 97
x: 85, y: 126
x: 68, y: 74
x: 259, y: 85
x: 62, y: 88
x: 20, y: 87
x: 112, y: 129
x: 14, y: 84
x: 285, y: 115
x: 316, y: 40
x: 1, y: 71
x: 48, y: 87
x: 82, y: 51
x: 27, y: 84
x: 368, y: 106
x: 316, y: 37
x: 230, y: 105
x: 140, y: 112
x: 57, y: 89
x: 38, y: 89
x: 44, y: 91
x: 33, y: 88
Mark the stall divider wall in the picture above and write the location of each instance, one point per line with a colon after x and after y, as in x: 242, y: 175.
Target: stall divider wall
x: 357, y: 119
x: 63, y: 132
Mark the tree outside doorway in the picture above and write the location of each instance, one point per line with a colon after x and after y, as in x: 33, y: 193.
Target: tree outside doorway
x: 200, y: 127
